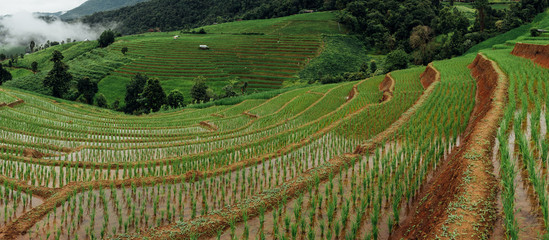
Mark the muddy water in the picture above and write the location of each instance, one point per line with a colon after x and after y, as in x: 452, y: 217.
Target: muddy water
x: 213, y: 193
x: 498, y: 231
x: 527, y: 212
x: 359, y: 172
x: 14, y: 203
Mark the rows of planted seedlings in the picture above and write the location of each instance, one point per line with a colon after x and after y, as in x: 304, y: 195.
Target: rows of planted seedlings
x: 174, y: 152
x: 288, y: 165
x: 83, y: 114
x: 14, y: 201
x: 6, y: 98
x: 131, y: 208
x: 523, y: 147
x: 56, y: 175
x: 169, y: 126
x: 97, y: 140
x: 366, y: 199
x: 254, y: 51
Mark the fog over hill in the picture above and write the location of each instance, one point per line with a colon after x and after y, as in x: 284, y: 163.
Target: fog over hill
x: 21, y: 28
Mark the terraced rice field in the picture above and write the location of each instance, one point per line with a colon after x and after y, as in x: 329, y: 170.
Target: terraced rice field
x: 343, y: 161
x: 265, y: 62
x: 107, y: 164
x: 262, y: 53
x: 454, y: 150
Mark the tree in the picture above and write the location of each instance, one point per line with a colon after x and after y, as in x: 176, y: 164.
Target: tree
x: 58, y: 78
x: 32, y: 45
x: 34, y: 67
x: 124, y: 50
x: 87, y: 88
x: 106, y: 38
x: 199, y: 90
x: 176, y: 99
x: 373, y: 66
x: 5, y: 75
x: 2, y: 57
x: 228, y: 91
x: 364, y: 68
x: 101, y: 101
x: 420, y: 40
x: 133, y: 93
x: 396, y: 60
x: 480, y: 6
x: 154, y: 95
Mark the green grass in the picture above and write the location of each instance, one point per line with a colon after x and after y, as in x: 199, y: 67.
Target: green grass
x: 342, y: 53
x: 19, y: 72
x: 302, y: 24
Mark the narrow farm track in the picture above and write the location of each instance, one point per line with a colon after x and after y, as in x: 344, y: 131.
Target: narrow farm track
x: 209, y: 225
x: 460, y: 202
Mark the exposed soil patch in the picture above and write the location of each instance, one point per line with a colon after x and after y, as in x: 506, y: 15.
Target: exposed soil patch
x: 429, y: 76
x: 32, y: 153
x: 387, y: 86
x: 208, y: 125
x: 465, y: 181
x: 352, y: 93
x: 250, y: 115
x: 538, y: 53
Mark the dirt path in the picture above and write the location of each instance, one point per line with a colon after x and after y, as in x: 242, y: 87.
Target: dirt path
x: 460, y: 200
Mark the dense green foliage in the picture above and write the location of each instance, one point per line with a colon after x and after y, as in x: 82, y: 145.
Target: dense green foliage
x: 396, y: 60
x: 341, y: 54
x: 175, y: 99
x: 153, y: 95
x: 199, y: 90
x: 168, y: 15
x: 93, y: 6
x: 5, y: 75
x: 58, y: 78
x: 87, y: 89
x: 101, y: 101
x: 106, y: 38
x: 133, y: 93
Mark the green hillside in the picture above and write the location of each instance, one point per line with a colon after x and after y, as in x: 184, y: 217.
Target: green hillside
x: 93, y: 6
x: 263, y: 53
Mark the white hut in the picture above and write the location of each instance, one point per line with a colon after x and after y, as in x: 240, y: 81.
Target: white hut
x: 203, y: 47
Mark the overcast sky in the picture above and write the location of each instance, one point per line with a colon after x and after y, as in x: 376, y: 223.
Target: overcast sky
x: 15, y: 6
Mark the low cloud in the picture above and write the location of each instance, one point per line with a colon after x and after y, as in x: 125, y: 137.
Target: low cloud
x: 22, y: 28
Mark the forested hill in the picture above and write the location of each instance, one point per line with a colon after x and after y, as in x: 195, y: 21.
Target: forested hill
x: 93, y: 6
x: 167, y: 15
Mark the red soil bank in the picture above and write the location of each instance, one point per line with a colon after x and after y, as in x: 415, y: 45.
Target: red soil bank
x: 16, y: 103
x: 352, y: 93
x: 209, y: 125
x: 429, y: 76
x: 538, y: 53
x: 474, y: 153
x: 250, y: 115
x: 387, y: 87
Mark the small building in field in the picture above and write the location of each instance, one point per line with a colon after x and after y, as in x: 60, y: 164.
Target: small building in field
x: 203, y: 47
x: 176, y: 37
